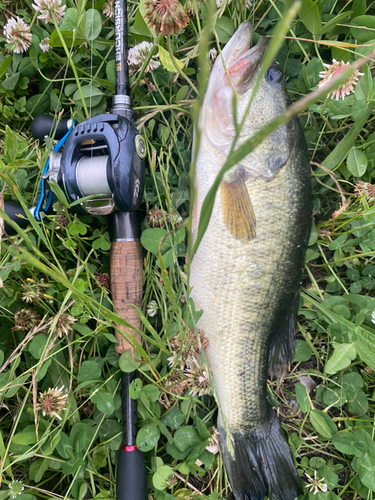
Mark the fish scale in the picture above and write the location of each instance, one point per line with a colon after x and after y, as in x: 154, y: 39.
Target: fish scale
x: 247, y: 281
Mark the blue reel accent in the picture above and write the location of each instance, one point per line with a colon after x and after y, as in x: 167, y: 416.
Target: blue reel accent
x: 38, y: 208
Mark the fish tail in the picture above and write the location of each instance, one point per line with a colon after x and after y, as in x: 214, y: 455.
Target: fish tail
x: 261, y: 464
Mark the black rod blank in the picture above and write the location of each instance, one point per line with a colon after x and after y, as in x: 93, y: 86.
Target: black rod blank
x: 129, y: 411
x: 121, y: 48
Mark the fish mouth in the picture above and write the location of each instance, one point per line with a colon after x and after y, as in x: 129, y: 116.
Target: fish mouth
x: 234, y: 70
x: 239, y: 44
x: 241, y: 60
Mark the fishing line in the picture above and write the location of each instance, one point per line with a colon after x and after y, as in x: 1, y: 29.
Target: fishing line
x: 91, y: 62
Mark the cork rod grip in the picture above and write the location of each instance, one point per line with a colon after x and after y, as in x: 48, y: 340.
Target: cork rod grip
x: 126, y: 287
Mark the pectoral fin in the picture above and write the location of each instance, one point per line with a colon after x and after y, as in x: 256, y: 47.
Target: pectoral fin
x: 238, y: 212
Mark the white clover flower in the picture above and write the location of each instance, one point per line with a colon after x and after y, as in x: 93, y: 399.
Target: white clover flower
x: 109, y: 9
x: 16, y: 488
x: 315, y: 484
x: 166, y: 16
x: 213, y: 443
x: 152, y: 308
x: 219, y: 3
x: 44, y: 45
x: 137, y: 56
x: 373, y: 316
x: 175, y: 219
x: 334, y: 69
x: 49, y: 10
x: 197, y: 378
x: 177, y: 358
x: 18, y: 34
x: 184, y: 352
x: 212, y: 54
x: 52, y: 402
x: 64, y: 324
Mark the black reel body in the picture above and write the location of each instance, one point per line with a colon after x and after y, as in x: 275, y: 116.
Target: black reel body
x: 104, y: 159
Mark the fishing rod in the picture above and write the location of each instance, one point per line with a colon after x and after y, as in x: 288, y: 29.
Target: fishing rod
x: 102, y: 169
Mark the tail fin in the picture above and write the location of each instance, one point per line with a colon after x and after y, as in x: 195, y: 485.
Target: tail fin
x: 261, y: 464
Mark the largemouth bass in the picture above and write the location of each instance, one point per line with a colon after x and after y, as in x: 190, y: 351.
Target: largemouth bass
x: 246, y: 272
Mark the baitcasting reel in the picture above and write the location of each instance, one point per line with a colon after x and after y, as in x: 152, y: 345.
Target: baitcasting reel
x: 102, y: 163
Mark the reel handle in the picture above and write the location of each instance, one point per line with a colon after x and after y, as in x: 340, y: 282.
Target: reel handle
x: 13, y: 210
x: 45, y: 126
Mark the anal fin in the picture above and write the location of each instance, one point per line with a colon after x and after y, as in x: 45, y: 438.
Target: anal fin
x: 238, y: 212
x: 283, y: 343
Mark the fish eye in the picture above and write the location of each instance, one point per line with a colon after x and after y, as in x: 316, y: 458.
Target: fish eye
x: 274, y: 75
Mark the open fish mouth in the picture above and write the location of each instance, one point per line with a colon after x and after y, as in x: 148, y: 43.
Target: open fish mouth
x: 234, y: 69
x: 242, y: 60
x: 239, y: 44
